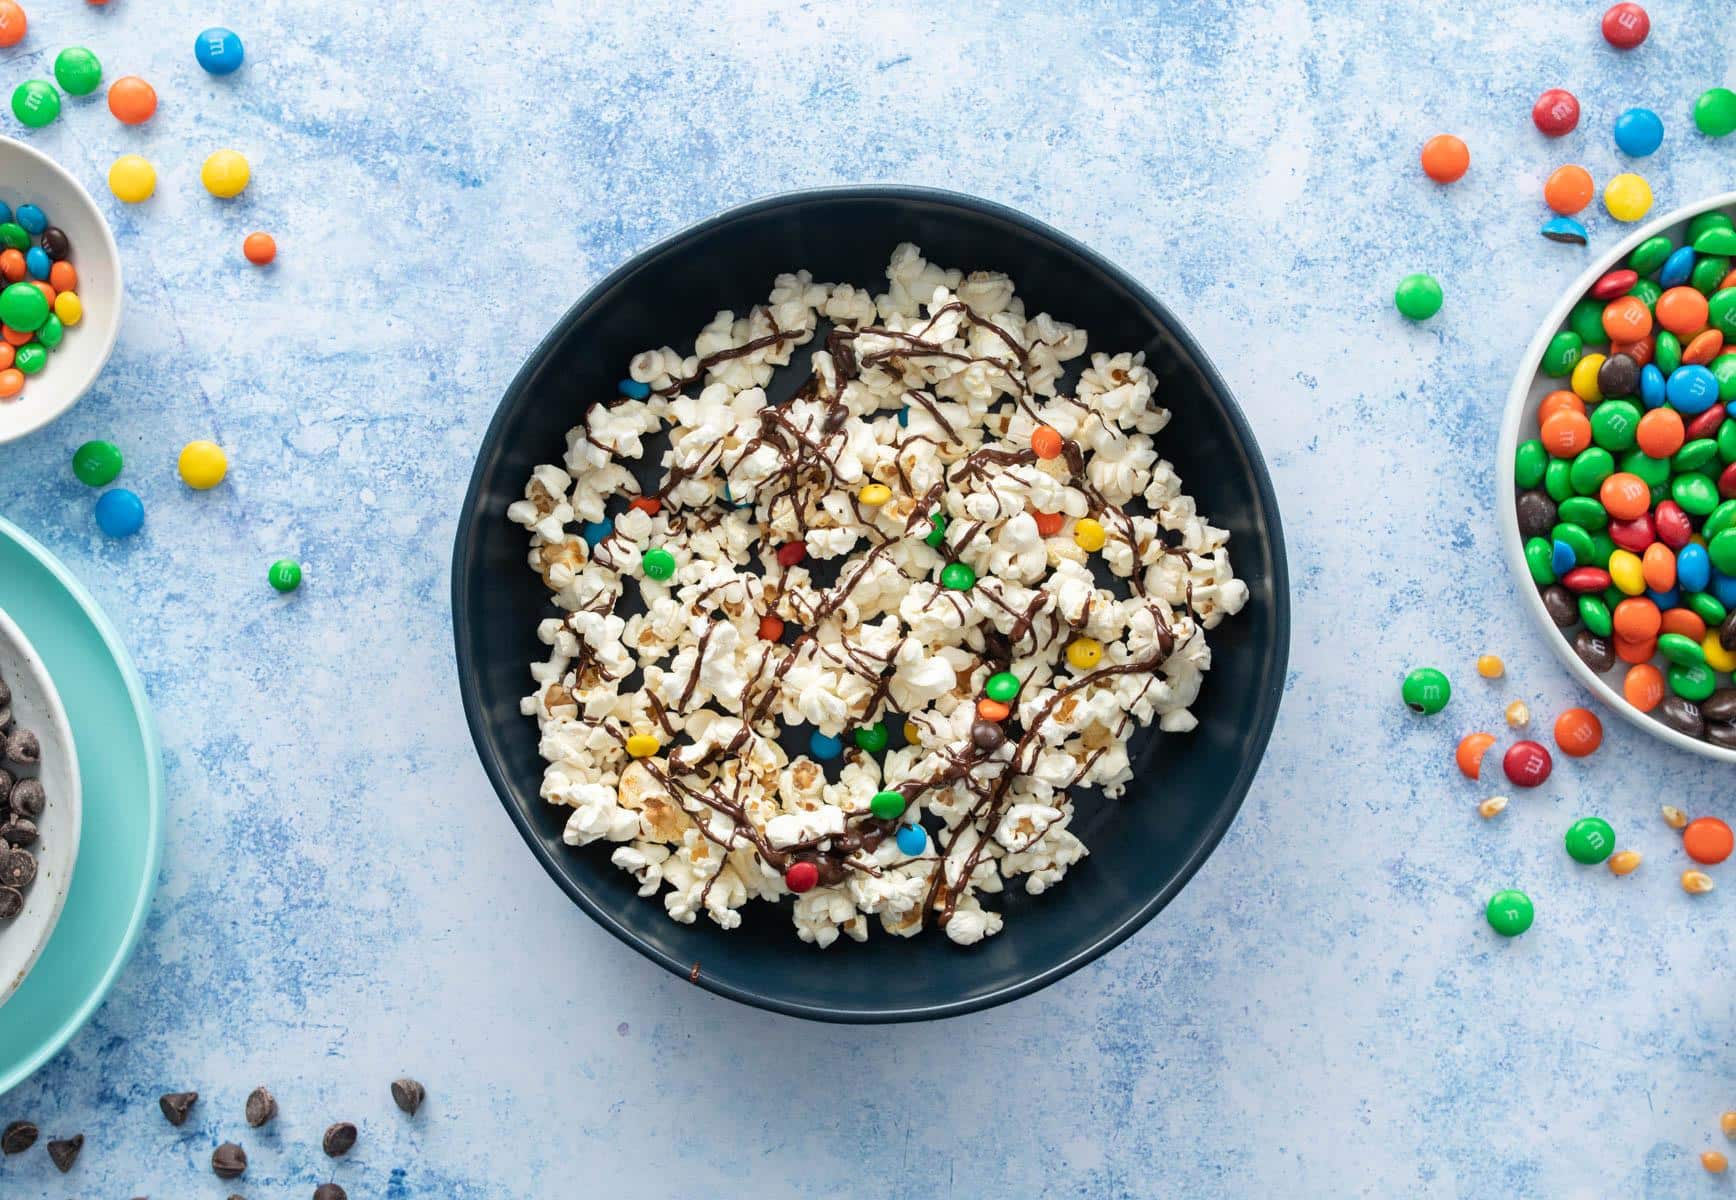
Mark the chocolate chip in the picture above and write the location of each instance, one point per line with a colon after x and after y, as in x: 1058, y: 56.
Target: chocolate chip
x: 65, y: 1152
x: 261, y: 1107
x: 18, y: 1137
x: 1593, y: 651
x: 408, y: 1095
x: 55, y: 243
x: 1720, y: 705
x: 229, y: 1161
x: 176, y: 1105
x: 1682, y: 715
x: 338, y: 1139
x: 330, y: 1191
x: 20, y: 831
x: 1562, y: 607
x: 1618, y: 376
x: 17, y: 868
x: 24, y: 748
x: 11, y: 903
x: 1536, y: 513
x: 987, y: 735
x: 28, y: 798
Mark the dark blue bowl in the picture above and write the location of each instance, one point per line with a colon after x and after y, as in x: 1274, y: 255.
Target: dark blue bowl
x: 1144, y: 847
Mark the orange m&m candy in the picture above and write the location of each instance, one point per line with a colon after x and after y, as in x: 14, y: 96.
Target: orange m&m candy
x: 1047, y: 441
x: 1703, y: 347
x: 1685, y: 622
x: 1567, y: 433
x: 260, y: 248
x: 1556, y: 401
x: 1635, y: 652
x: 1682, y: 310
x: 12, y: 28
x: 1445, y: 158
x: 1048, y: 524
x: 1660, y: 432
x: 1708, y: 840
x: 1637, y: 618
x: 1658, y: 567
x: 62, y: 277
x: 1568, y: 189
x: 771, y: 627
x: 1625, y: 496
x: 1627, y: 319
x: 12, y: 265
x: 11, y: 381
x: 1643, y: 686
x: 132, y: 100
x: 993, y: 710
x: 1470, y: 753
x: 1578, y: 732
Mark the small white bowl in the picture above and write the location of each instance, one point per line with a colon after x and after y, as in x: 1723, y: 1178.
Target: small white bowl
x: 1528, y: 390
x: 27, y: 176
x: 36, y: 706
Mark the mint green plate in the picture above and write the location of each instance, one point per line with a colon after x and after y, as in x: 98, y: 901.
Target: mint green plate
x: 122, y: 770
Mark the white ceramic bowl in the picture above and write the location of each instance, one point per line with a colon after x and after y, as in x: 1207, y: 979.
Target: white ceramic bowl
x: 1520, y: 421
x: 28, y: 176
x: 36, y: 705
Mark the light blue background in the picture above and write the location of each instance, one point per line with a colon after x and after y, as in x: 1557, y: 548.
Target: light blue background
x: 1321, y: 1013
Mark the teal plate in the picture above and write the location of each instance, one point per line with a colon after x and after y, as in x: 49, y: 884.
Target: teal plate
x: 122, y: 771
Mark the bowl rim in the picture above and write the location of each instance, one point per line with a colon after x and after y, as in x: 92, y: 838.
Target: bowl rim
x: 62, y: 726
x: 1264, y: 706
x: 1512, y: 545
x: 112, y: 324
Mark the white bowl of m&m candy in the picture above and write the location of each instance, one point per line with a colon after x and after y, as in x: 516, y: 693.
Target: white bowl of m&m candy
x: 60, y: 290
x: 1617, y: 468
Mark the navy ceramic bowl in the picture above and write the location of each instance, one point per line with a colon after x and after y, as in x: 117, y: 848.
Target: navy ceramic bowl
x: 1144, y: 847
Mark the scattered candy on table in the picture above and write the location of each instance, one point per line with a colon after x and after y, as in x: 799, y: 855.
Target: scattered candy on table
x: 1418, y: 296
x: 259, y: 248
x: 132, y: 100
x: 13, y: 23
x: 1426, y: 690
x: 1590, y: 840
x: 132, y: 179
x: 97, y: 464
x: 1715, y: 112
x: 1510, y: 912
x: 1556, y: 112
x: 120, y: 513
x: 1568, y: 189
x: 1578, y: 732
x: 1627, y: 197
x: 1469, y: 755
x: 1638, y: 132
x: 202, y: 464
x: 1526, y: 763
x: 225, y: 174
x: 1708, y: 840
x: 77, y: 70
x: 1566, y: 230
x: 1445, y: 158
x: 1714, y: 1162
x: 1625, y: 26
x: 218, y: 50
x: 284, y: 575
x: 35, y: 103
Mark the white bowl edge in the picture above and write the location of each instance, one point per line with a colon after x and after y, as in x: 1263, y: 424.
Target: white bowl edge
x: 69, y: 800
x: 1521, y: 407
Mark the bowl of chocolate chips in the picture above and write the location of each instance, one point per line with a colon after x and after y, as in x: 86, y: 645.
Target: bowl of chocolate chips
x: 39, y: 806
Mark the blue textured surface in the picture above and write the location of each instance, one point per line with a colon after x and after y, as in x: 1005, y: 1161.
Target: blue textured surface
x: 1322, y: 1012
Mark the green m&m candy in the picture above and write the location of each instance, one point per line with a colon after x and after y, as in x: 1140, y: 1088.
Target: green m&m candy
x: 1562, y: 354
x: 1615, y: 424
x: 13, y: 236
x: 52, y: 332
x: 96, y: 463
x: 873, y: 739
x: 1647, y: 257
x: 1715, y: 112
x: 1694, y: 681
x: 30, y: 358
x: 1647, y: 291
x: 1667, y: 352
x: 1590, y: 840
x: 1426, y: 690
x: 1556, y: 479
x: 1711, y: 219
x: 1681, y: 649
x: 1596, y: 616
x: 1584, y: 512
x: 1708, y: 273
x: 1539, y: 555
x: 35, y: 103
x: 959, y: 577
x: 937, y: 533
x: 1576, y: 539
x: 77, y: 70
x: 1590, y: 468
x: 23, y: 307
x: 1510, y: 912
x: 657, y: 562
x: 1529, y: 463
x: 284, y: 575
x: 888, y: 806
x: 1722, y: 551
x: 1418, y: 296
x: 1586, y: 320
x: 1002, y: 686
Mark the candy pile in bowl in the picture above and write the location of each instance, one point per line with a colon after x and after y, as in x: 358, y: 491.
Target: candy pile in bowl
x: 1626, y: 495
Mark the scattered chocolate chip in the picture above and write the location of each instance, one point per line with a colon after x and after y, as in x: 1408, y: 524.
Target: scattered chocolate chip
x: 176, y: 1105
x: 18, y: 1137
x: 1682, y: 715
x: 20, y: 831
x: 987, y: 735
x: 65, y: 1152
x: 229, y: 1161
x: 261, y: 1107
x: 330, y: 1191
x: 1536, y: 512
x: 28, y: 798
x: 17, y: 868
x: 1562, y: 607
x: 23, y: 748
x: 11, y: 903
x: 338, y: 1139
x: 408, y: 1095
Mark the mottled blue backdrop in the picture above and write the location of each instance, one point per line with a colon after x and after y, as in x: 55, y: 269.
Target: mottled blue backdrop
x: 1322, y: 1013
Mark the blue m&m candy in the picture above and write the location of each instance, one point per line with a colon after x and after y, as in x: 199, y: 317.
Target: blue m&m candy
x: 32, y: 218
x: 1677, y: 269
x: 824, y: 746
x: 1724, y: 587
x: 912, y: 840
x: 596, y: 531
x: 1693, y: 567
x: 120, y: 513
x: 36, y: 262
x: 1638, y: 132
x: 218, y: 50
x: 1561, y: 558
x: 904, y: 417
x: 1665, y: 600
x: 1652, y: 389
x: 1692, y: 389
x: 633, y: 389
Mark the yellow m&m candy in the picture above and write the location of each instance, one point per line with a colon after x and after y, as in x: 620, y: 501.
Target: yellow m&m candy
x: 203, y: 465
x: 1089, y: 535
x: 1627, y: 572
x: 1584, y: 378
x: 874, y: 495
x: 642, y: 745
x: 1084, y: 653
x: 1627, y: 197
x: 132, y: 179
x: 69, y: 308
x: 224, y: 174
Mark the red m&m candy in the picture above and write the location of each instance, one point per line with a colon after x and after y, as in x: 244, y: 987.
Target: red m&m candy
x: 791, y: 553
x: 1625, y: 26
x: 1556, y: 112
x: 1527, y: 764
x: 801, y: 876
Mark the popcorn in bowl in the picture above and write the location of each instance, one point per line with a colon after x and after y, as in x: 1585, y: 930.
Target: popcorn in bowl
x: 933, y: 526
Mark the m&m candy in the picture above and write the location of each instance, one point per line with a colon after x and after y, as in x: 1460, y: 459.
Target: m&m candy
x: 801, y: 877
x: 1445, y: 158
x: 225, y: 174
x: 132, y: 100
x: 658, y: 563
x: 872, y: 738
x: 132, y: 179
x: 1625, y: 26
x: 1715, y: 112
x: 96, y: 464
x: 218, y: 50
x: 35, y: 103
x: 1708, y: 840
x: 77, y: 70
x: 120, y: 513
x: 1638, y: 132
x: 1509, y: 912
x: 1627, y: 197
x: 1556, y: 112
x: 912, y: 840
x: 1426, y: 690
x: 1568, y: 189
x: 202, y: 465
x: 1526, y: 763
x: 13, y: 23
x: 284, y: 575
x: 1418, y: 296
x: 824, y: 746
x: 259, y: 248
